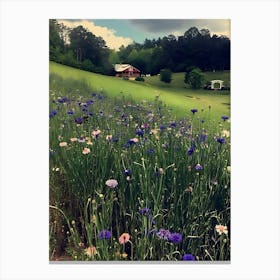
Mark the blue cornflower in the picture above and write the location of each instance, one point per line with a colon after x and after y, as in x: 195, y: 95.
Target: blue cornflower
x: 172, y: 125
x: 127, y: 172
x: 126, y: 145
x: 100, y: 97
x: 131, y: 141
x: 188, y: 257
x: 175, y: 237
x: 193, y: 111
x: 53, y: 113
x: 203, y: 137
x: 198, y: 167
x: 144, y: 210
x: 150, y: 151
x: 93, y: 94
x: 139, y: 132
x: 191, y: 150
x: 105, y: 234
x: 70, y: 112
x: 163, y: 234
x: 79, y: 120
x: 225, y: 118
x: 162, y: 127
x: 62, y: 100
x: 89, y: 102
x: 90, y: 114
x: 221, y: 140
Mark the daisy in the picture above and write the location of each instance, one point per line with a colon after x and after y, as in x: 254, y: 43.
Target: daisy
x: 112, y: 183
x: 86, y: 151
x: 221, y: 229
x: 63, y: 144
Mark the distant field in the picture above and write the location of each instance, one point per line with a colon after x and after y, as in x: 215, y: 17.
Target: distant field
x: 178, y: 79
x: 176, y: 95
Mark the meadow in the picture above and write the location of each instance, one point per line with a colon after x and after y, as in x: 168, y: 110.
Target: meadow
x: 134, y: 176
x: 177, y: 95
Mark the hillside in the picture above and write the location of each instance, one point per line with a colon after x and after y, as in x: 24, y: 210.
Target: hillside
x: 175, y: 95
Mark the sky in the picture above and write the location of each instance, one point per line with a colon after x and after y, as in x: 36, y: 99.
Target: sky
x: 117, y: 32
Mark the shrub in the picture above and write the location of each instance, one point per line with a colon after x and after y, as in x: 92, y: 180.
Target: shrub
x: 187, y: 74
x: 140, y: 79
x: 195, y: 78
x: 87, y: 65
x: 166, y: 75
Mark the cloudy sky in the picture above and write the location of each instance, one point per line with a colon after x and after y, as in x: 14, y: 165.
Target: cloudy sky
x: 117, y: 32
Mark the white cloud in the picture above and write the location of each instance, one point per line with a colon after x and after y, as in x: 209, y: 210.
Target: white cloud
x: 109, y: 35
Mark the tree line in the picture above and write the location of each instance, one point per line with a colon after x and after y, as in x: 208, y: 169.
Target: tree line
x: 78, y: 47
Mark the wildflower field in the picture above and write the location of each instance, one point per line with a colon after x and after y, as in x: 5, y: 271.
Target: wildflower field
x: 129, y: 181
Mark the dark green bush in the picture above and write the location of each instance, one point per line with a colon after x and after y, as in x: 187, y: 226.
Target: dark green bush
x: 166, y: 75
x: 139, y: 79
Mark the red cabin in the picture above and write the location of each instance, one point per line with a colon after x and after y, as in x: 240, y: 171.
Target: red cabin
x: 126, y: 70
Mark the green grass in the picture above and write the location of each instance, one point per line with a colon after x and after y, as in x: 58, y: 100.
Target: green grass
x: 175, y: 95
x: 177, y: 171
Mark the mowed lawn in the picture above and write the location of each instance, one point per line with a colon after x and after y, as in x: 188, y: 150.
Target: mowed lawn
x: 179, y: 97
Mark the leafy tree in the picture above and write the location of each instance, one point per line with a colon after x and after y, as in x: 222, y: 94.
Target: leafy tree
x: 196, y: 78
x: 87, y: 65
x: 166, y: 75
x: 187, y: 74
x: 56, y: 44
x: 192, y: 33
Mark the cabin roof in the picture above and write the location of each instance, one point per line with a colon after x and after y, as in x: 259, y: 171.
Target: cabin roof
x: 122, y: 67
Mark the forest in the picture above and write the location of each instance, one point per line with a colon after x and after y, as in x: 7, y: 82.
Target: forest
x: 79, y: 48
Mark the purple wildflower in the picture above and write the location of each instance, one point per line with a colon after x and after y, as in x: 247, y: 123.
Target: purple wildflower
x: 70, y: 112
x: 188, y: 257
x: 221, y: 140
x: 127, y: 172
x: 79, y: 120
x: 198, y: 167
x: 144, y: 210
x: 139, y: 132
x: 191, y: 150
x: 224, y: 118
x: 193, y: 111
x: 53, y: 113
x: 175, y: 237
x: 105, y: 234
x: 203, y: 137
x: 62, y: 100
x: 163, y: 234
x: 89, y: 102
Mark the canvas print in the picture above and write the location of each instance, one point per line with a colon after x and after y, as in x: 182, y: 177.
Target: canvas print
x: 139, y: 140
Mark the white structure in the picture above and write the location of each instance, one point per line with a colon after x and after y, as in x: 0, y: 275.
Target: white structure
x: 215, y: 82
